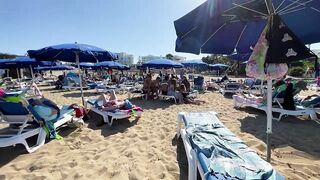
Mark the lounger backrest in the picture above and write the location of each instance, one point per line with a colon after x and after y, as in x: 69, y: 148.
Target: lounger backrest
x: 10, y: 108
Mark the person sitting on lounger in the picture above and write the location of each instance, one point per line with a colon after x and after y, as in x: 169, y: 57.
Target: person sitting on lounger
x: 154, y: 87
x: 113, y: 103
x: 186, y: 83
x: 146, y: 84
x: 183, y: 96
x: 172, y: 87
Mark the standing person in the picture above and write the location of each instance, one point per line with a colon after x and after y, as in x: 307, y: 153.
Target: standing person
x: 146, y: 84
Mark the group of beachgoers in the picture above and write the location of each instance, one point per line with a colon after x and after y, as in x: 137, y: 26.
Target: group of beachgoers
x: 169, y: 85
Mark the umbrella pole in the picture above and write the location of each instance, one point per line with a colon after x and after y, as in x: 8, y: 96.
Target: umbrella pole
x: 31, y: 70
x: 80, y: 77
x: 269, y: 118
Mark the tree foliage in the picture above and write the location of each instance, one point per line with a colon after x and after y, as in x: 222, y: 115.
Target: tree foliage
x: 7, y: 56
x: 169, y: 56
x: 215, y: 59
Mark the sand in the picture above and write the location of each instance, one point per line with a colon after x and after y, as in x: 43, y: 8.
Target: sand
x: 147, y: 148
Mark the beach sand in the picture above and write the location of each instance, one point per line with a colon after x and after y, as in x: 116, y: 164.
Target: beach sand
x: 147, y: 148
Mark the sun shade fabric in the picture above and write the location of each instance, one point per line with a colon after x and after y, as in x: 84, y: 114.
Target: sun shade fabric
x: 66, y: 52
x: 221, y: 26
x: 284, y: 45
x: 161, y: 63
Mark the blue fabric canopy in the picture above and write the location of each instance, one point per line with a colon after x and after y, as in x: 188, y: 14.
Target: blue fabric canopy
x: 223, y: 26
x: 57, y: 68
x: 112, y: 65
x: 19, y: 62
x: 85, y: 65
x: 218, y: 66
x: 161, y: 63
x: 194, y: 63
x: 67, y: 53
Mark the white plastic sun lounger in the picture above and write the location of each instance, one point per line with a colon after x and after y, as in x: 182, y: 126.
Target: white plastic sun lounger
x: 23, y: 124
x: 108, y: 116
x: 240, y: 102
x: 216, y: 152
x: 167, y: 97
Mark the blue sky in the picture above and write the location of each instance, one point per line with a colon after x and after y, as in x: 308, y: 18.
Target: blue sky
x: 139, y: 27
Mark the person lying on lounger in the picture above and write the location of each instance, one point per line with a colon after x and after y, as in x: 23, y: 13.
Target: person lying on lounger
x: 113, y: 103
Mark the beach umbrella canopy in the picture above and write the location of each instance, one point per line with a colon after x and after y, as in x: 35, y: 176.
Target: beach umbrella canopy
x: 86, y: 65
x: 218, y: 66
x: 55, y: 68
x: 18, y: 62
x: 161, y: 63
x: 235, y: 26
x: 73, y: 53
x: 111, y: 65
x: 194, y: 63
x: 69, y: 53
x: 226, y: 26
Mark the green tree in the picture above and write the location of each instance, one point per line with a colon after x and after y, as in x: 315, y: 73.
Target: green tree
x: 7, y: 56
x: 169, y: 56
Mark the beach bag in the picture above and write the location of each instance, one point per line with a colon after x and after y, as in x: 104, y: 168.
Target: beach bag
x: 79, y: 110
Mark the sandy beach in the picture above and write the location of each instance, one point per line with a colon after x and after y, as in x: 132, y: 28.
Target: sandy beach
x: 147, y: 148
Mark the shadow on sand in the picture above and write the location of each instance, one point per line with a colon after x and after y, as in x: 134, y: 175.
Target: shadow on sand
x: 290, y: 131
x: 181, y: 157
x: 10, y: 153
x: 118, y: 126
x: 78, y: 94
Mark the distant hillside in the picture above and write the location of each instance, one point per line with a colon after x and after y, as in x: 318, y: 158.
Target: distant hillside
x: 7, y: 56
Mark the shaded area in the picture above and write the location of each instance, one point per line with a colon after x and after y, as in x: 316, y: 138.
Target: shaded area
x: 301, y: 134
x: 181, y: 157
x: 10, y: 153
x: 95, y: 122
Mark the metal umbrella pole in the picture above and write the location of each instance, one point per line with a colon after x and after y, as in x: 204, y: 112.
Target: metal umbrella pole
x: 80, y: 76
x: 269, y: 98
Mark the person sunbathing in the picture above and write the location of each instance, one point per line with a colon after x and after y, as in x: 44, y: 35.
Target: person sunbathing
x: 113, y: 103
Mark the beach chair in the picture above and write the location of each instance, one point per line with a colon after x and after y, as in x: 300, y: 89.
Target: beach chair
x: 240, y: 102
x: 231, y: 88
x: 24, y: 123
x: 72, y: 82
x: 216, y: 152
x: 110, y: 116
x: 167, y: 97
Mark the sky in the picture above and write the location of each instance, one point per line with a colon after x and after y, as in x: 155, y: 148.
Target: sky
x: 138, y: 27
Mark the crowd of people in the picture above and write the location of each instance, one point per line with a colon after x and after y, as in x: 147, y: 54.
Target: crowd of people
x: 169, y: 85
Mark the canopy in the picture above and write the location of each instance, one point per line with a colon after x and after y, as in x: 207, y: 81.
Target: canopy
x: 57, y: 68
x: 161, y: 63
x: 193, y: 63
x: 67, y: 53
x: 218, y: 66
x: 19, y: 62
x: 227, y: 26
x: 112, y: 65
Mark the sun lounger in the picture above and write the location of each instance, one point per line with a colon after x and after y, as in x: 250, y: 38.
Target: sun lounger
x: 167, y: 97
x: 231, y: 88
x: 216, y: 152
x: 240, y: 102
x: 24, y: 123
x: 110, y: 116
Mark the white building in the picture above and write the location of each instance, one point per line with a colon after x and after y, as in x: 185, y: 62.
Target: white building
x: 143, y: 59
x: 125, y: 58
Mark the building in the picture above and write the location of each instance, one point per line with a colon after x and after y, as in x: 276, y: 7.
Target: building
x: 125, y: 58
x: 143, y: 59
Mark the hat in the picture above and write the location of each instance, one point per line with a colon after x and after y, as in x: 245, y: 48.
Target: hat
x: 302, y: 85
